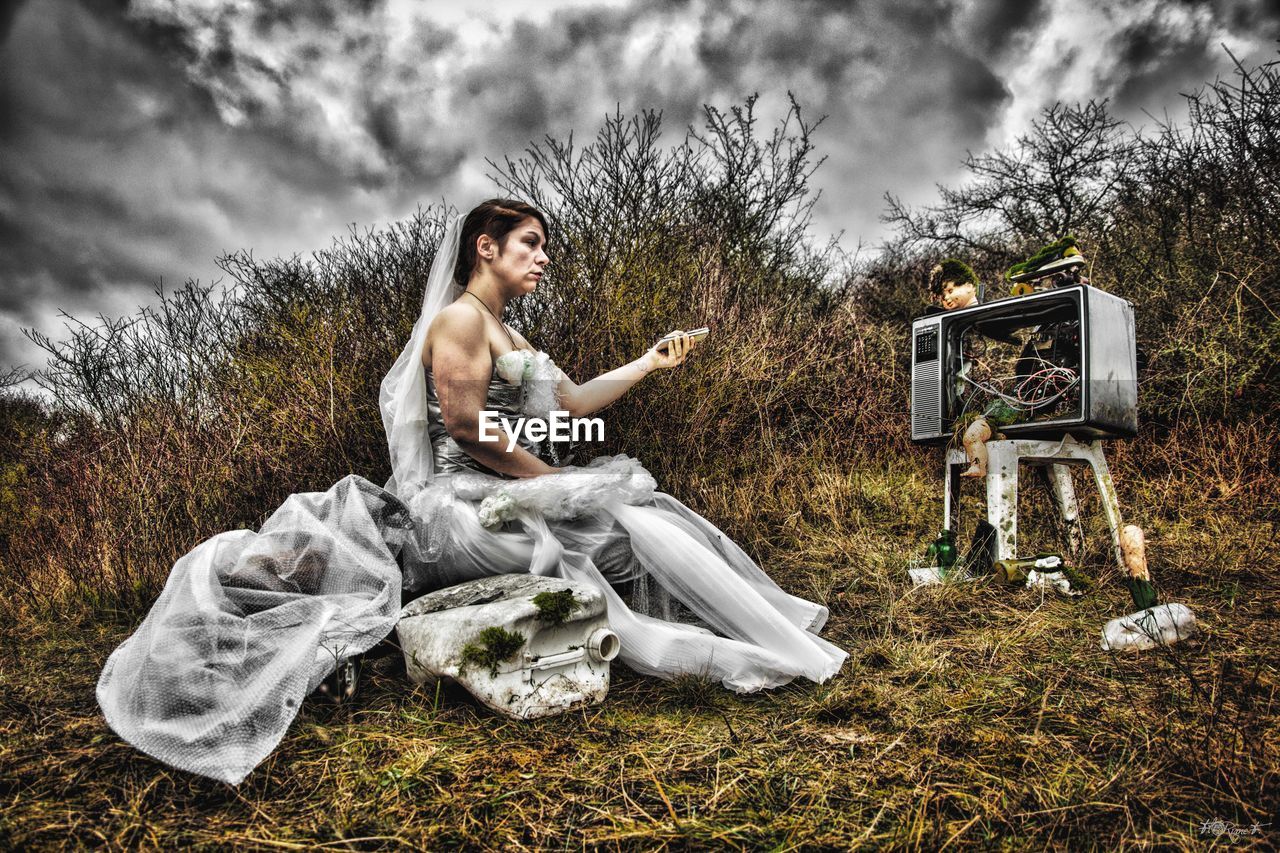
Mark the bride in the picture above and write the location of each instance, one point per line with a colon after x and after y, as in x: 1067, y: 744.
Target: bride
x: 248, y: 624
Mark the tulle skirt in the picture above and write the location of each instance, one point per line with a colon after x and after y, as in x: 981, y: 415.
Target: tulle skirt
x: 250, y: 623
x: 683, y: 597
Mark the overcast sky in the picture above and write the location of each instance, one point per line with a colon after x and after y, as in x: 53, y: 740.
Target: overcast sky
x: 140, y: 140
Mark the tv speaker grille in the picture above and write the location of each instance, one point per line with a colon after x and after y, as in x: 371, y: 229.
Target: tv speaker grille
x: 926, y: 399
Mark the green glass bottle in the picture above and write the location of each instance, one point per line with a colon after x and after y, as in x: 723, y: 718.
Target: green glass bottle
x: 944, y: 549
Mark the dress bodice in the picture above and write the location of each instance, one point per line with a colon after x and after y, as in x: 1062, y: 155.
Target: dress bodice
x: 501, y: 397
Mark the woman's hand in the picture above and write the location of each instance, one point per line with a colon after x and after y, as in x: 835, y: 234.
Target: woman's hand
x: 676, y: 352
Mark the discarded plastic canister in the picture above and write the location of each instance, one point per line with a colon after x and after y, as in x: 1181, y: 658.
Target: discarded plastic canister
x: 1164, y: 625
x: 1016, y: 570
x: 1011, y: 571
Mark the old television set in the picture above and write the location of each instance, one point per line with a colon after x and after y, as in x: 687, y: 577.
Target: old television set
x: 1056, y: 362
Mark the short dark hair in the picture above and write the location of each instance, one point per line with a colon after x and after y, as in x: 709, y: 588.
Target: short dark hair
x: 951, y: 269
x: 496, y: 217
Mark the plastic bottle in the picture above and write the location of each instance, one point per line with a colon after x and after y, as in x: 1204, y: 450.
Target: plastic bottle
x: 1163, y: 624
x: 1016, y: 570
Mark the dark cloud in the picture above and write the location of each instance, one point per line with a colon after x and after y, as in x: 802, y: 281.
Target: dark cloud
x: 383, y: 123
x: 903, y: 91
x: 341, y: 81
x: 117, y: 172
x: 1174, y: 48
x: 920, y: 17
x: 1151, y: 56
x: 1249, y: 16
x: 59, y: 194
x: 1002, y: 26
x: 8, y: 11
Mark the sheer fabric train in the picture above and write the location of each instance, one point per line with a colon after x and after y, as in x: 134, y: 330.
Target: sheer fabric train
x: 694, y: 601
x: 250, y: 623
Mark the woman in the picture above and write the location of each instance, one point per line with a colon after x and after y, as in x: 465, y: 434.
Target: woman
x: 250, y: 623
x: 485, y: 509
x: 503, y: 256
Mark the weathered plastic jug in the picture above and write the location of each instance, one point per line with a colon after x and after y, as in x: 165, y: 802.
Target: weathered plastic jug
x: 526, y: 646
x: 1164, y: 624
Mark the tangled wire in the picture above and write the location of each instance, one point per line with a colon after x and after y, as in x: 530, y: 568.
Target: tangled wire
x: 1044, y: 387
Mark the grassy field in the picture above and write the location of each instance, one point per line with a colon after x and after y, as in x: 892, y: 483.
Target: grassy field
x: 973, y: 715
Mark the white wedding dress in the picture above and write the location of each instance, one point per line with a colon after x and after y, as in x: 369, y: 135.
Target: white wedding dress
x: 250, y: 623
x: 683, y: 598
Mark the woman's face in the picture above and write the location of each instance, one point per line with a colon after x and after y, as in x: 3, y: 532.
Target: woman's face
x: 520, y: 264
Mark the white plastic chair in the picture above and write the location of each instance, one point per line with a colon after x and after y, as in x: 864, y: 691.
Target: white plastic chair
x: 1005, y: 457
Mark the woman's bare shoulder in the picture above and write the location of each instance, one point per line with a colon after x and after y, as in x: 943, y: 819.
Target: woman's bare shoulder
x: 458, y: 323
x: 457, y: 317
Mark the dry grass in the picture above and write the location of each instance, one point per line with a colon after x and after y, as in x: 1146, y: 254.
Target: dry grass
x: 974, y: 715
x: 968, y: 716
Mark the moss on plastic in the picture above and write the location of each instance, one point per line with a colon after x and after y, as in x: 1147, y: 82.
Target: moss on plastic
x: 1079, y: 581
x: 1051, y: 252
x: 492, y: 646
x: 555, y: 607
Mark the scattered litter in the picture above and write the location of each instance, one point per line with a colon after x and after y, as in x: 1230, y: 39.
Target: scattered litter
x: 934, y: 575
x: 1164, y: 624
x: 1057, y: 581
x: 1019, y: 570
x: 926, y: 576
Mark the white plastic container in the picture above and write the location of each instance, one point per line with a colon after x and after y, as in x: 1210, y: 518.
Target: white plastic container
x: 925, y: 576
x: 548, y: 668
x: 1164, y: 624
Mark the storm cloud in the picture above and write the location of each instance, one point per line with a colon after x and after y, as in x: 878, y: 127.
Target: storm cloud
x: 140, y: 140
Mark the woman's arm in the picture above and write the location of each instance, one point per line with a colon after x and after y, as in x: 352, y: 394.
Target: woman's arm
x: 462, y: 366
x: 582, y: 400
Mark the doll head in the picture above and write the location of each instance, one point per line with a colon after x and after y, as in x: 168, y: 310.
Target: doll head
x: 953, y: 284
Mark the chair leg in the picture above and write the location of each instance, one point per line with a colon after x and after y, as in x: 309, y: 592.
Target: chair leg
x: 950, y: 492
x: 1002, y: 497
x: 1107, y: 494
x: 1064, y: 496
